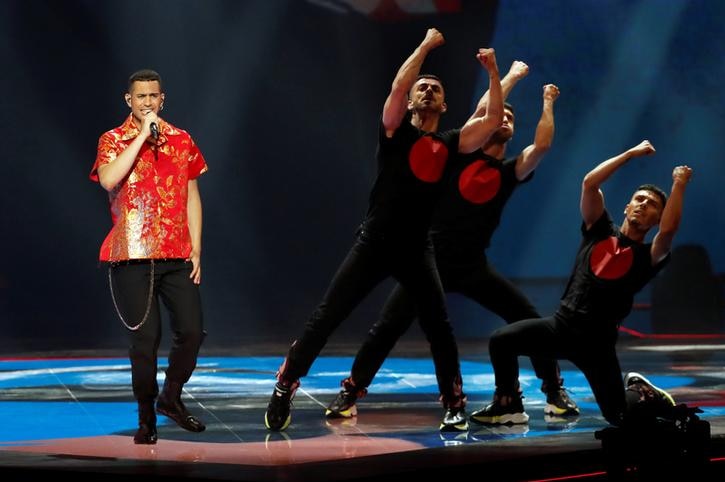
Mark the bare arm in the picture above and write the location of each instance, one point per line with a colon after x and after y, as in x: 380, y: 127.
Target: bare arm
x: 529, y: 159
x: 592, y: 199
x: 109, y: 175
x: 518, y: 71
x: 193, y: 213
x: 477, y: 130
x: 670, y: 221
x: 396, y: 104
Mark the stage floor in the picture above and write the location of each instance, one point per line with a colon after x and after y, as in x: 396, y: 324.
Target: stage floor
x: 76, y: 415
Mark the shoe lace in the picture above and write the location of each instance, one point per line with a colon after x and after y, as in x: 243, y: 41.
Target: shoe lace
x: 351, y: 390
x: 284, y: 395
x: 646, y: 392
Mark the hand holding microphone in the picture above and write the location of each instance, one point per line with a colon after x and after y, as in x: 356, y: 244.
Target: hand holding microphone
x: 152, y: 120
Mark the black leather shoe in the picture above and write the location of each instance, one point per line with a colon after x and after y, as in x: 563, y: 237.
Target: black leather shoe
x: 169, y: 404
x: 146, y: 435
x: 177, y: 412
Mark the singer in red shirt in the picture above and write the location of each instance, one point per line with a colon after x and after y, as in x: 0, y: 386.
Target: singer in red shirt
x: 150, y: 169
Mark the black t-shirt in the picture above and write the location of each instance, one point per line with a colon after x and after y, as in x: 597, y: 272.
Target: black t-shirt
x: 609, y: 270
x: 472, y: 202
x: 411, y: 167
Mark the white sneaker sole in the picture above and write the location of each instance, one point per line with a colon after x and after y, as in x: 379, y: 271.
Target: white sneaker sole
x: 553, y: 410
x: 349, y: 413
x: 508, y: 418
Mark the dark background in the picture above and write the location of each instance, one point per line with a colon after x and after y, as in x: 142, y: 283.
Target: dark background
x: 284, y: 97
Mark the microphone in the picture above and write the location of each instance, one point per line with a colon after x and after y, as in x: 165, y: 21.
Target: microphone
x: 154, y: 131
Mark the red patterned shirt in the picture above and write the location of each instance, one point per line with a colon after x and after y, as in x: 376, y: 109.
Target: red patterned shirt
x: 148, y: 208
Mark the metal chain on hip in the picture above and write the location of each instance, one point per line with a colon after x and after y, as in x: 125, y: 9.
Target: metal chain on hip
x: 148, y: 301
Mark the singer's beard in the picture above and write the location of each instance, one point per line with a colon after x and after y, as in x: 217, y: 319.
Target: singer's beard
x: 501, y: 136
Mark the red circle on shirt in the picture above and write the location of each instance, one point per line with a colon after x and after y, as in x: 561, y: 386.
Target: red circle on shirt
x: 428, y: 158
x: 479, y: 183
x: 609, y: 260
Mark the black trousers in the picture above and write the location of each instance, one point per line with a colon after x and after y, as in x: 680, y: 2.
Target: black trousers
x: 368, y: 263
x: 470, y: 276
x: 171, y: 285
x: 586, y: 343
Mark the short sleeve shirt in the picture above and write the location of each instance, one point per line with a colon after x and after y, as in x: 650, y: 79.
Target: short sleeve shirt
x: 149, y: 206
x: 610, y: 269
x: 472, y: 202
x: 412, y: 165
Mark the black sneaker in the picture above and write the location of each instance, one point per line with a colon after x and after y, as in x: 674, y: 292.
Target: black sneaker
x: 278, y: 415
x: 454, y: 420
x: 648, y: 392
x: 511, y: 411
x: 343, y: 406
x: 558, y: 404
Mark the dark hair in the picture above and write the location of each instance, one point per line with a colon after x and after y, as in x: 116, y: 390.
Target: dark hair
x: 144, y: 75
x: 656, y: 190
x: 508, y: 106
x: 429, y: 76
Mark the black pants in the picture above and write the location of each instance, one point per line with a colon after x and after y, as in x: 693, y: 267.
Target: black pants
x: 368, y: 263
x: 130, y: 284
x: 590, y: 345
x: 472, y: 277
